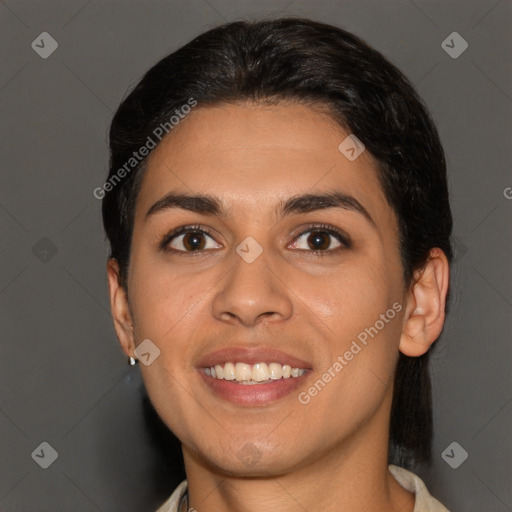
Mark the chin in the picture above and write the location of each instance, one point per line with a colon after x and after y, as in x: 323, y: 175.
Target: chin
x: 244, y: 458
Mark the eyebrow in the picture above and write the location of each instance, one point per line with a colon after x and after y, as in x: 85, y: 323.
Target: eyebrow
x: 207, y: 204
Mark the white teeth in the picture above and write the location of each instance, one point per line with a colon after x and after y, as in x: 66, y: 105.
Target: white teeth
x: 295, y: 372
x: 243, y: 372
x: 260, y: 372
x: 253, y: 374
x: 229, y: 371
x: 276, y: 371
x: 219, y: 371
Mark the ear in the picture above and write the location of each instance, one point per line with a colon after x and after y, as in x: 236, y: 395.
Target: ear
x: 425, y: 312
x: 120, y: 308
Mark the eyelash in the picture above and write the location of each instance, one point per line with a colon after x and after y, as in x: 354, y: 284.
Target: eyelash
x: 330, y: 230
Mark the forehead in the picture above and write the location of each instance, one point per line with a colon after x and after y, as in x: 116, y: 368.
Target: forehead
x: 255, y: 156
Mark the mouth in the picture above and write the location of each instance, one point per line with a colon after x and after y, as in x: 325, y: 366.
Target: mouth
x: 252, y: 377
x: 259, y: 373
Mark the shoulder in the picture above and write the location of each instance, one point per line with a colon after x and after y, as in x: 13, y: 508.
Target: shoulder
x: 413, y: 483
x: 173, y: 503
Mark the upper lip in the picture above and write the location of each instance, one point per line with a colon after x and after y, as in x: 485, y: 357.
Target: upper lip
x: 251, y: 356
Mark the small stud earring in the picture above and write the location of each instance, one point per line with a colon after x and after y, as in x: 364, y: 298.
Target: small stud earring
x: 132, y: 361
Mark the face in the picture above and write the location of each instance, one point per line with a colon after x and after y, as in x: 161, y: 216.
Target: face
x: 310, y: 284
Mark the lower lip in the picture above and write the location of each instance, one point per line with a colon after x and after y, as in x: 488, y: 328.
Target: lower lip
x: 252, y: 394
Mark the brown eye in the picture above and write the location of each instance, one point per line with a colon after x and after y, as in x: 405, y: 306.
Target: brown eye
x: 193, y: 241
x: 319, y: 240
x: 189, y: 239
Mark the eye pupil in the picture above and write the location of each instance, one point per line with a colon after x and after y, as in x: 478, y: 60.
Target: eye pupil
x: 193, y: 241
x: 316, y: 237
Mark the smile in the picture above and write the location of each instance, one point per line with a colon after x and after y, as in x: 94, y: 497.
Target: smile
x: 259, y: 373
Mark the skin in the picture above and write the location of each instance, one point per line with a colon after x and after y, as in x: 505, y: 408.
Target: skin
x: 330, y: 454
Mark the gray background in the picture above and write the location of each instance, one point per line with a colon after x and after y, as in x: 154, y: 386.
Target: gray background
x: 63, y: 377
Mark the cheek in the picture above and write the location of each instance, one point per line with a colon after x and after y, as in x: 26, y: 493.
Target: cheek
x: 160, y: 296
x: 356, y: 306
x: 349, y: 297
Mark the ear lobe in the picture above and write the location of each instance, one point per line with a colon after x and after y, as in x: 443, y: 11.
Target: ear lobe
x: 425, y: 312
x: 119, y: 306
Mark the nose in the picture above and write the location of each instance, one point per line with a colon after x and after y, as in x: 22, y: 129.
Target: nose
x: 252, y: 293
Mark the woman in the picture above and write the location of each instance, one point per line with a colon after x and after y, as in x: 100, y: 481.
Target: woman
x: 279, y: 222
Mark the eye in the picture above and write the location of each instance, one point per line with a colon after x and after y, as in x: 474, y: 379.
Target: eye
x: 319, y: 239
x: 188, y: 239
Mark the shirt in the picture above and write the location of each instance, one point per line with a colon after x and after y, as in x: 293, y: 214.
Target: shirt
x: 409, y: 481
